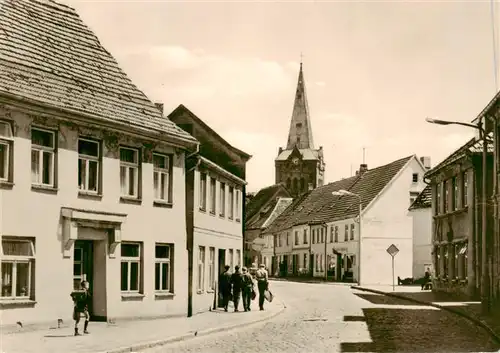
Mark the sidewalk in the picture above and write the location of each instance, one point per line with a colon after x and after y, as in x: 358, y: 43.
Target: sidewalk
x: 131, y: 336
x: 460, y: 305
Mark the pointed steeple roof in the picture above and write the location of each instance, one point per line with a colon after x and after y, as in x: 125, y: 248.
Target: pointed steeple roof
x: 300, y: 133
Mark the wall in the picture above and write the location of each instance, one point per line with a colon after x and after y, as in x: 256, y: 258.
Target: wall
x: 349, y: 247
x: 387, y: 221
x: 302, y: 248
x: 30, y: 213
x: 422, y: 240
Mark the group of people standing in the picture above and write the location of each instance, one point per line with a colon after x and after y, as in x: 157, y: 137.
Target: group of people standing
x: 232, y: 285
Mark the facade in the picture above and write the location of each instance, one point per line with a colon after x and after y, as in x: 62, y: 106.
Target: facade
x: 457, y: 212
x: 421, y: 213
x: 91, y: 177
x: 215, y: 194
x: 263, y: 208
x: 332, y: 223
x: 300, y: 166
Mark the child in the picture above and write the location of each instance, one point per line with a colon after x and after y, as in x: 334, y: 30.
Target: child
x: 81, y: 299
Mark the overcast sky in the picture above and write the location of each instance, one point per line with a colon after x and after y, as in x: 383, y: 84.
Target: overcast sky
x: 373, y: 71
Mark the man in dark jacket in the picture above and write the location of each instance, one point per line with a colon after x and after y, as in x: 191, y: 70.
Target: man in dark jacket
x: 225, y: 287
x: 236, y: 281
x: 247, y: 287
x: 81, y: 300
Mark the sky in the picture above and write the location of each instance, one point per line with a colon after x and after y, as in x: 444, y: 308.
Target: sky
x: 373, y: 70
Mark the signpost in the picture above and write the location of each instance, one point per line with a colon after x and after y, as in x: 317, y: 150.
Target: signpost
x: 392, y: 250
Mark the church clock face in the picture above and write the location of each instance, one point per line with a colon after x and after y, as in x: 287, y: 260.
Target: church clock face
x: 295, y: 161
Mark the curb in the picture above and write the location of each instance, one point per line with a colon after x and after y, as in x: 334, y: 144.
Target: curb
x: 476, y: 321
x: 190, y: 335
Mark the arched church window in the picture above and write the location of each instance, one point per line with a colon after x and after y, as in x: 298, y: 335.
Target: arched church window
x: 302, y: 184
x: 288, y: 182
x: 295, y: 184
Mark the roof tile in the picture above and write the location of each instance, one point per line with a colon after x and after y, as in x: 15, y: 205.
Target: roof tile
x: 423, y: 200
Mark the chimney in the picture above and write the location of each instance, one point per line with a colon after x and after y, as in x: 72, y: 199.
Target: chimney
x: 310, y: 187
x: 426, y: 161
x: 362, y: 168
x: 280, y: 150
x: 160, y: 107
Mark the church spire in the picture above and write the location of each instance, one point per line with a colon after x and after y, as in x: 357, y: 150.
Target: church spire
x: 300, y: 133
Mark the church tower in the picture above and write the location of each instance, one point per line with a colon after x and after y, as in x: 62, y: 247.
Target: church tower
x: 299, y: 166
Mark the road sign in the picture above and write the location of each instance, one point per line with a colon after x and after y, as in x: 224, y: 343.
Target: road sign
x: 392, y: 250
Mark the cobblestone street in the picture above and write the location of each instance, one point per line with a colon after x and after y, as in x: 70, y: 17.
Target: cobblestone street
x: 335, y: 318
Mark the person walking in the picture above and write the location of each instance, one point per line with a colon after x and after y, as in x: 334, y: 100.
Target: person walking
x: 225, y: 287
x: 236, y: 282
x: 247, y: 288
x: 81, y: 300
x: 262, y: 284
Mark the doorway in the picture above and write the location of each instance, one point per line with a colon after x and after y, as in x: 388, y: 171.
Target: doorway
x: 83, y: 266
x: 222, y: 264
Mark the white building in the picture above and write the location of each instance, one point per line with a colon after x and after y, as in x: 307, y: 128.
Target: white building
x: 421, y: 212
x: 91, y: 181
x: 215, y: 183
x: 385, y: 193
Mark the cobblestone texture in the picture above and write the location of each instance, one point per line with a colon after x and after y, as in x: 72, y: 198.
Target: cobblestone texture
x: 326, y: 318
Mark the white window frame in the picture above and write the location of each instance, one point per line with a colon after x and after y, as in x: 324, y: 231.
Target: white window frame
x: 203, y: 191
x: 201, y: 268
x: 238, y: 205
x: 14, y: 260
x: 238, y: 257
x: 130, y: 166
x: 129, y: 260
x: 211, y: 268
x: 161, y: 262
x: 230, y: 201
x: 87, y: 159
x: 41, y: 150
x: 336, y: 237
x: 213, y: 195
x: 222, y: 199
x: 7, y: 142
x: 352, y: 231
x: 159, y: 172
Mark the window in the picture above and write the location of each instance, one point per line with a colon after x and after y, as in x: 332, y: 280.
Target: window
x: 331, y: 234
x: 455, y: 193
x: 129, y: 172
x: 211, y: 268
x: 296, y: 237
x: 88, y: 165
x: 201, y: 268
x: 18, y: 258
x: 323, y: 238
x: 336, y: 234
x: 464, y: 189
x: 222, y: 200
x: 238, y: 205
x: 238, y: 257
x: 130, y: 267
x: 438, y: 198
x: 275, y: 240
x: 437, y: 261
x: 305, y: 260
x: 461, y: 260
x: 287, y: 239
x: 414, y: 177
x: 163, y: 268
x: 231, y: 259
x: 321, y: 262
x: 213, y: 200
x: 305, y: 236
x: 346, y: 233
x: 446, y: 196
x: 317, y: 262
x: 6, y: 143
x: 161, y: 177
x: 279, y: 240
x: 231, y: 202
x: 313, y: 236
x: 203, y: 191
x: 352, y: 231
x: 42, y: 157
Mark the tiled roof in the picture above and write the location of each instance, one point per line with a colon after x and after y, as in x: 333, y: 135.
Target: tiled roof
x: 307, y: 154
x: 261, y: 199
x: 269, y: 213
x: 423, y: 200
x: 320, y: 205
x: 282, y: 204
x: 471, y: 146
x: 49, y: 56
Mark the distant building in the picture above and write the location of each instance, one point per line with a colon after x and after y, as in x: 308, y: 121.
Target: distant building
x: 91, y: 177
x: 215, y: 200
x: 319, y: 232
x: 421, y: 212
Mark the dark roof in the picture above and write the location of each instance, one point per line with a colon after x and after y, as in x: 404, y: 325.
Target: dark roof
x: 320, y: 205
x: 50, y: 57
x: 262, y: 198
x: 472, y: 146
x: 182, y: 108
x: 423, y: 200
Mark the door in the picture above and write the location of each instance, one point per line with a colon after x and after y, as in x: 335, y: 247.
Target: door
x: 83, y: 260
x: 311, y: 265
x: 222, y: 264
x: 294, y: 264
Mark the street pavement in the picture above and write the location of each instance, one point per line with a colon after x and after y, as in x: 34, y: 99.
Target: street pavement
x: 331, y: 318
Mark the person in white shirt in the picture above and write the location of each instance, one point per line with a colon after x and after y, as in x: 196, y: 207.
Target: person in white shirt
x: 262, y: 283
